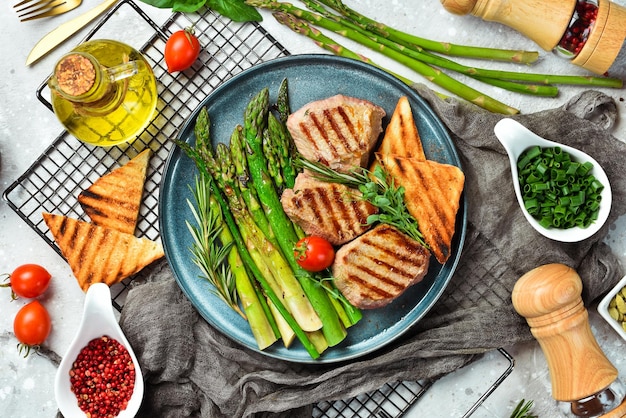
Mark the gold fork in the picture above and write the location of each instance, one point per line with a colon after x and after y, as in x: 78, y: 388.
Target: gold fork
x: 32, y: 9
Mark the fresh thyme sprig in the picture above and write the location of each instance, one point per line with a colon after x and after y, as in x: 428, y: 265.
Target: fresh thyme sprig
x: 207, y: 252
x: 378, y: 188
x: 523, y: 410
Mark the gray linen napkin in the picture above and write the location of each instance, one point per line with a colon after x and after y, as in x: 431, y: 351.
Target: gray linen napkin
x: 191, y: 370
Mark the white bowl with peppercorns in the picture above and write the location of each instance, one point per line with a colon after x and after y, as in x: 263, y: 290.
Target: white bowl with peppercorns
x: 99, y: 375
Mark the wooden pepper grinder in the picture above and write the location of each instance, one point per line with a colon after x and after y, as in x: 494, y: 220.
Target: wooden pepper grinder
x: 589, y: 32
x: 583, y: 379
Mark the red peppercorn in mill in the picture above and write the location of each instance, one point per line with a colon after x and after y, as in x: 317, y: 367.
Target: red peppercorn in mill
x: 103, y: 378
x: 590, y: 33
x: 579, y: 30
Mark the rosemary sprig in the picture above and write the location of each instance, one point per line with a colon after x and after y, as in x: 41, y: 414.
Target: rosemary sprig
x: 207, y: 252
x: 378, y: 188
x: 523, y: 410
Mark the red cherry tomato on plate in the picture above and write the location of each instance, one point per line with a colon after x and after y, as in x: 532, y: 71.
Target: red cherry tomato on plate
x: 32, y: 325
x: 181, y: 50
x: 314, y: 253
x: 28, y: 281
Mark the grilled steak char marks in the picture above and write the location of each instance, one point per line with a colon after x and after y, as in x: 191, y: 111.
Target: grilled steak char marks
x: 377, y: 267
x: 330, y: 210
x: 339, y: 132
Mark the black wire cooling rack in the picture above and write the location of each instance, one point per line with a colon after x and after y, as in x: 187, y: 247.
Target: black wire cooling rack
x: 68, y: 166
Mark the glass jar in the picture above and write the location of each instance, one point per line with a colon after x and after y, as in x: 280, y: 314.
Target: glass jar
x: 579, y: 29
x: 103, y: 92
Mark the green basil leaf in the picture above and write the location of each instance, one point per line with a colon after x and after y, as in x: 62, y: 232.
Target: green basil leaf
x: 236, y: 10
x: 187, y: 6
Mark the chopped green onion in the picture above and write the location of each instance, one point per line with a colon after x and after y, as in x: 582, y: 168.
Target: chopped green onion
x: 558, y: 191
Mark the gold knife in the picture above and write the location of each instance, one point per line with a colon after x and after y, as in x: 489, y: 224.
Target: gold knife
x: 64, y: 31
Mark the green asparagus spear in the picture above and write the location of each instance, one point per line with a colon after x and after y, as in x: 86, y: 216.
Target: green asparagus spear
x: 238, y: 156
x: 486, y: 75
x: 282, y: 102
x: 197, y: 156
x: 260, y: 323
x: 280, y: 140
x: 447, y: 48
x: 434, y: 75
x: 280, y: 276
x: 255, y: 122
x: 207, y: 255
x: 272, y: 157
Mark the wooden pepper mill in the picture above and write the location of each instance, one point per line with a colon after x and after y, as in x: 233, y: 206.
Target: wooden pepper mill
x: 549, y: 22
x: 549, y: 297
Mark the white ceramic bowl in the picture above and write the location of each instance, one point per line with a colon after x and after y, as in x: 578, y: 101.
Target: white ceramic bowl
x: 603, y: 308
x: 98, y: 320
x: 516, y: 139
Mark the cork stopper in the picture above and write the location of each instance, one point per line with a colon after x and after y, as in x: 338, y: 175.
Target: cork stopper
x: 75, y: 74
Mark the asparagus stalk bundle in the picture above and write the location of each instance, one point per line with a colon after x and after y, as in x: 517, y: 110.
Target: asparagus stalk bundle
x: 422, y: 55
x: 262, y: 323
x: 202, y: 155
x: 279, y: 298
x: 255, y: 123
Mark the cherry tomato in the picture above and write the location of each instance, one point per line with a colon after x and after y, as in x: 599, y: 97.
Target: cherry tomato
x: 32, y: 325
x: 314, y: 253
x: 181, y: 50
x: 28, y: 281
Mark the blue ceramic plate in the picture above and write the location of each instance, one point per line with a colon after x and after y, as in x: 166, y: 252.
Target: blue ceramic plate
x: 310, y: 77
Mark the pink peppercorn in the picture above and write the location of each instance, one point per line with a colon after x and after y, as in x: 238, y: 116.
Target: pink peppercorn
x: 576, y: 35
x: 103, y: 378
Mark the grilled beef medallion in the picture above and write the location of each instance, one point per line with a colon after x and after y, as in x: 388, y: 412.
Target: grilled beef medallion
x: 379, y: 266
x: 329, y: 210
x: 339, y: 132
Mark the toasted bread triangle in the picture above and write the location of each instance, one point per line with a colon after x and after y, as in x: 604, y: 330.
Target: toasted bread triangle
x: 113, y: 201
x: 432, y: 195
x: 100, y: 255
x: 401, y: 136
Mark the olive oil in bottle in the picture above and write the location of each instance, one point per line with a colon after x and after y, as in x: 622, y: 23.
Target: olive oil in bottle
x: 103, y: 92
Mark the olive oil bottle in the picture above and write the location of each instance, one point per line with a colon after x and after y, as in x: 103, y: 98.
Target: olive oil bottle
x: 103, y: 92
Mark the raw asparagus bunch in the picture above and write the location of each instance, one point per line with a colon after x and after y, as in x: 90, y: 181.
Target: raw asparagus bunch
x: 422, y: 55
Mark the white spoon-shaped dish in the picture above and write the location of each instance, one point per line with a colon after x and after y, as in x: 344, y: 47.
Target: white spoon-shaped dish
x: 516, y: 138
x: 98, y: 320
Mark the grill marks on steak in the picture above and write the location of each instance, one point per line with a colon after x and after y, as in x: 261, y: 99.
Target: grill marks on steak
x: 377, y: 267
x: 330, y: 210
x: 339, y: 132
